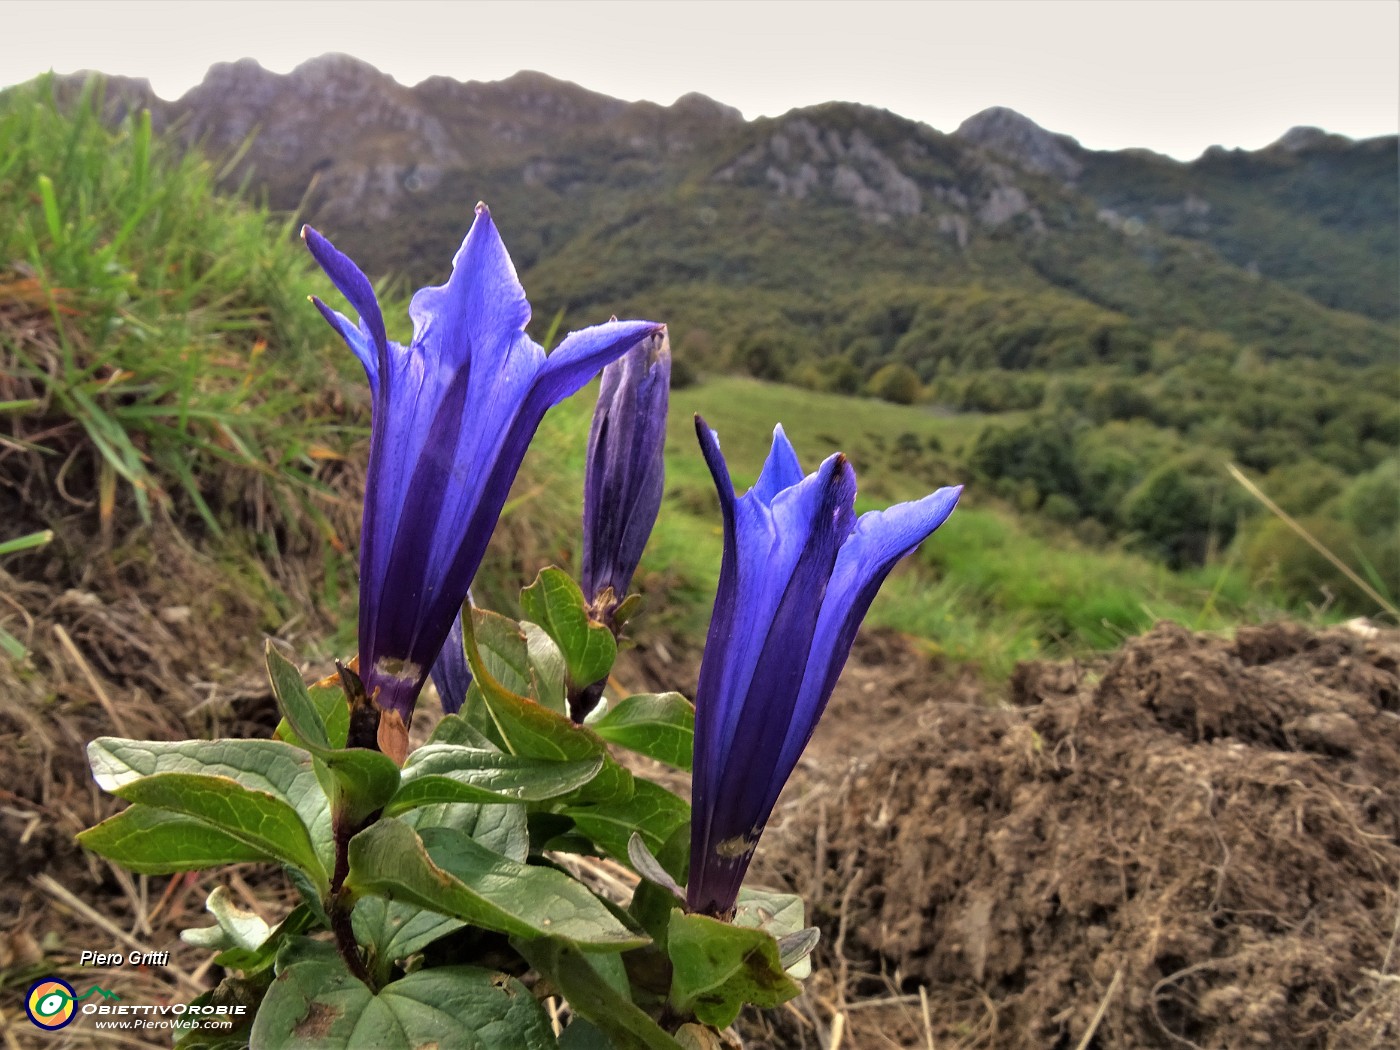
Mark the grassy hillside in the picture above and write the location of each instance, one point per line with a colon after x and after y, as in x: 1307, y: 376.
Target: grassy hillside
x: 162, y: 379
x: 1320, y: 217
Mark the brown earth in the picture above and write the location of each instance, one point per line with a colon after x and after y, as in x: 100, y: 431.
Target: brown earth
x: 1194, y: 843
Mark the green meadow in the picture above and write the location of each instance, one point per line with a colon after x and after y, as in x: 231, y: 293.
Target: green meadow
x: 991, y: 587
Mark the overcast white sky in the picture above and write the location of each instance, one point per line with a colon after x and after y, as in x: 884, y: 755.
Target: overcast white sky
x: 1174, y: 76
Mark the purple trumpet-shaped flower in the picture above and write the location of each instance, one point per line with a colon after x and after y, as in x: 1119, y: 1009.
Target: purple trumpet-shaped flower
x: 798, y: 575
x: 453, y: 413
x: 451, y: 674
x: 622, y: 488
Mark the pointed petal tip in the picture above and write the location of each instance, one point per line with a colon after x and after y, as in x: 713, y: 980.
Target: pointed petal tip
x: 709, y: 439
x: 839, y: 468
x: 949, y: 494
x: 482, y: 209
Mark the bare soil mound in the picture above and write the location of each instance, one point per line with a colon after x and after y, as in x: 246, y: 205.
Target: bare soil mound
x: 1195, y: 844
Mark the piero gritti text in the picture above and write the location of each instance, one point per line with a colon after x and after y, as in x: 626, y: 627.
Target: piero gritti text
x: 89, y: 958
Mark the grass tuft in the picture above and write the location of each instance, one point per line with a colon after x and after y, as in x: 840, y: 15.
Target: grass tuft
x: 156, y: 352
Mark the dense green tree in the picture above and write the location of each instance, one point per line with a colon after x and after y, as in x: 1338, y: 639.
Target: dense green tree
x: 896, y: 383
x: 1185, y: 509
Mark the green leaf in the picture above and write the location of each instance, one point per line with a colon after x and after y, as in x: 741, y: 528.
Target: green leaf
x: 334, y: 709
x: 500, y: 828
x: 504, y: 650
x: 777, y: 913
x: 652, y: 903
x: 527, y: 728
x: 651, y: 811
x: 260, y: 820
x: 234, y: 927
x: 395, y: 930
x: 270, y: 766
x: 243, y: 940
x: 321, y: 1006
x: 358, y: 781
x: 555, y: 602
x: 782, y: 916
x: 629, y: 608
x: 718, y: 968
x: 156, y: 842
x: 645, y: 864
x: 12, y: 646
x: 582, y: 1034
x: 591, y: 995
x: 295, y: 701
x: 658, y: 725
x: 550, y: 902
x: 548, y: 672
x: 451, y: 873
x: 50, y: 203
x: 454, y: 729
x: 448, y: 773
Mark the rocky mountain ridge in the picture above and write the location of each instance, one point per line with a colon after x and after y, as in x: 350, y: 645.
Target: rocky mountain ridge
x: 392, y: 170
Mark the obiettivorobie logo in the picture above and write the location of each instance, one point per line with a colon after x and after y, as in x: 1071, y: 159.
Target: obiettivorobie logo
x: 52, y: 1004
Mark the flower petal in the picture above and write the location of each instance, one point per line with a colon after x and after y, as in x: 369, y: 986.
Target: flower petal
x: 582, y: 355
x: 879, y: 541
x: 357, y: 340
x: 781, y: 470
x: 481, y: 310
x: 450, y: 672
x: 351, y: 282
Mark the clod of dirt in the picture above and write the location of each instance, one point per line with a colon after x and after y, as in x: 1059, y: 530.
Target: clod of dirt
x: 1200, y: 836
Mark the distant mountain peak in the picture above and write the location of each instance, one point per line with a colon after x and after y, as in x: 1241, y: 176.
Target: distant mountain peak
x: 1305, y: 137
x: 1022, y: 141
x: 695, y: 102
x: 337, y: 66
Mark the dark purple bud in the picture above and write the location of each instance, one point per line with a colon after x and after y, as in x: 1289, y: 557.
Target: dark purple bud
x: 625, y: 473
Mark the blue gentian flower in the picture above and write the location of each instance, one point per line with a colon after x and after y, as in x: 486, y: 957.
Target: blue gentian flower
x: 453, y: 413
x: 623, y: 483
x: 451, y: 673
x: 798, y: 575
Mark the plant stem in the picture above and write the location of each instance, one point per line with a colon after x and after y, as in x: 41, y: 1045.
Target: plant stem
x: 337, y: 911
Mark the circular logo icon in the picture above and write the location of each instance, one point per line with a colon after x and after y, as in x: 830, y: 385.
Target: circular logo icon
x: 50, y: 1003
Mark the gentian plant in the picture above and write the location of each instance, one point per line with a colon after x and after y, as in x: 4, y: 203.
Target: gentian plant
x: 447, y: 893
x: 453, y: 413
x: 799, y: 572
